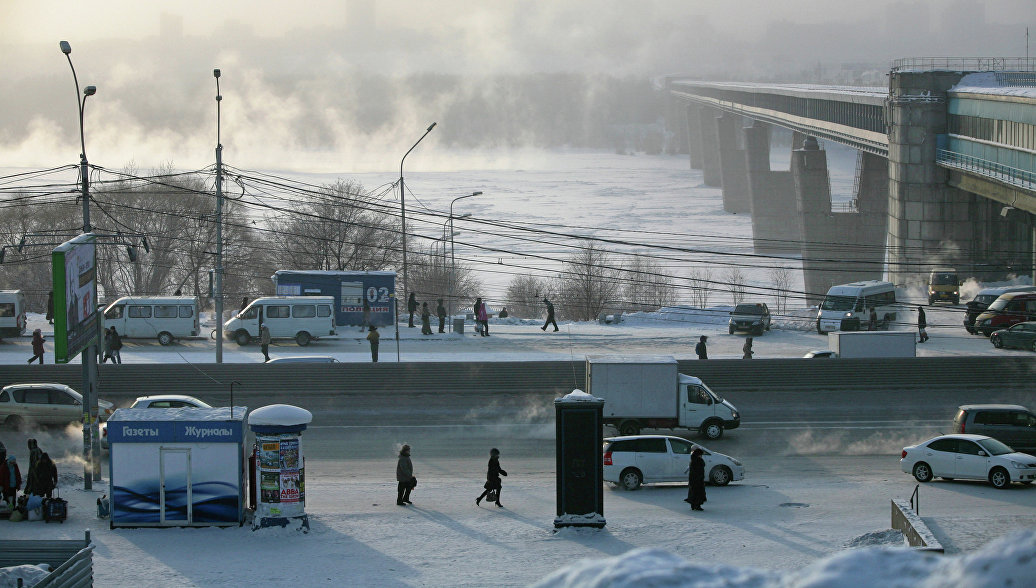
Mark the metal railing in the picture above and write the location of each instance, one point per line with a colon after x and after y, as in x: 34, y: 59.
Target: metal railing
x: 915, y: 500
x: 990, y: 169
x: 965, y: 64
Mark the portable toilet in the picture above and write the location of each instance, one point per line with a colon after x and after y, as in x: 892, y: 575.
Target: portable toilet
x: 177, y: 467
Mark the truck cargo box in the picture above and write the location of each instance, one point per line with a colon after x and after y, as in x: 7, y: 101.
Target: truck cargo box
x: 854, y: 344
x: 634, y: 386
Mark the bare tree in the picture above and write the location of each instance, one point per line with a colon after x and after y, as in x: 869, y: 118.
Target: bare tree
x: 29, y: 269
x: 736, y: 284
x: 525, y: 296
x: 701, y: 286
x: 781, y: 278
x: 589, y: 283
x: 430, y: 279
x: 647, y: 285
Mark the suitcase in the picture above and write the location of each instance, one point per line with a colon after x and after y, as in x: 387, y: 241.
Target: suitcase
x: 55, y: 509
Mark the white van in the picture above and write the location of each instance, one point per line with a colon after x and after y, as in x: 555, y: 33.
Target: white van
x: 165, y: 318
x: 302, y: 318
x: 847, y: 307
x: 12, y: 313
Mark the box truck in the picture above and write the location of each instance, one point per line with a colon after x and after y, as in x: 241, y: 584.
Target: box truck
x: 647, y: 392
x: 873, y: 343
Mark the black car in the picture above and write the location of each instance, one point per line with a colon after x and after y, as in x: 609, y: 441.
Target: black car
x: 983, y: 299
x: 753, y: 317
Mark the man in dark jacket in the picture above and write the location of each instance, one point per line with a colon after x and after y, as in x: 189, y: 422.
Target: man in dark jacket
x: 411, y: 306
x: 696, y: 480
x: 44, y: 477
x: 440, y: 311
x: 493, y: 477
x: 701, y: 349
x: 922, y: 325
x: 550, y: 316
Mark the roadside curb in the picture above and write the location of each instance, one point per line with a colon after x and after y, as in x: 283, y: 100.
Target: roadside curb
x: 913, y: 528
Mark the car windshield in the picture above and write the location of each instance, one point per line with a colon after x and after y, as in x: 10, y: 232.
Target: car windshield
x: 999, y: 304
x: 985, y: 298
x: 838, y: 303
x: 995, y: 447
x: 748, y: 309
x: 944, y: 279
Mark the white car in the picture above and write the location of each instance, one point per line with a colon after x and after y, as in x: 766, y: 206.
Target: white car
x: 44, y: 404
x: 972, y: 457
x: 643, y: 459
x: 820, y: 354
x: 158, y: 401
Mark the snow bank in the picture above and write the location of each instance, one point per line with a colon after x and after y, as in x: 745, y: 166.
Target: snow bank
x: 280, y: 415
x: 1008, y: 561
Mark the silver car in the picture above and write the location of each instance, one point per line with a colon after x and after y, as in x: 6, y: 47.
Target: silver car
x: 643, y: 459
x: 968, y: 457
x: 45, y: 404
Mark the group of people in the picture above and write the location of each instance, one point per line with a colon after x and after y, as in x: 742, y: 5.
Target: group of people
x: 406, y: 481
x: 40, y: 480
x: 112, y: 345
x: 702, y: 350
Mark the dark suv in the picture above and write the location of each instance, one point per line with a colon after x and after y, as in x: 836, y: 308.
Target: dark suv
x: 1010, y: 424
x: 983, y: 299
x: 753, y: 317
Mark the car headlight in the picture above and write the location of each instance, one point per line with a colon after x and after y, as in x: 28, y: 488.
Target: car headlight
x: 735, y: 415
x: 1018, y: 465
x: 849, y: 315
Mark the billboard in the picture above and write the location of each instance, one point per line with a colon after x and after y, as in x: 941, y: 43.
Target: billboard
x: 74, y: 268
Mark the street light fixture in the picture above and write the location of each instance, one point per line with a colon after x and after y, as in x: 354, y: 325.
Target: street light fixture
x: 218, y: 287
x: 453, y: 259
x: 81, y: 105
x: 402, y: 210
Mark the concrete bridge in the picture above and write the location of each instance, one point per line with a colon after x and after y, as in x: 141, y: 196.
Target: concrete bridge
x: 946, y: 173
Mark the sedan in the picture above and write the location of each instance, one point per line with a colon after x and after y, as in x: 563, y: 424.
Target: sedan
x: 638, y: 459
x: 1020, y: 336
x: 44, y: 404
x: 158, y: 401
x: 972, y: 457
x: 820, y: 354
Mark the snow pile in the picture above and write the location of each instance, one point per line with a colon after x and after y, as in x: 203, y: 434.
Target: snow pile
x: 29, y: 575
x: 1008, y: 561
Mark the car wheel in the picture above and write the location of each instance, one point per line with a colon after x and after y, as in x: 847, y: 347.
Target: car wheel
x: 242, y: 338
x: 629, y: 428
x: 15, y: 422
x: 999, y: 478
x: 996, y: 341
x: 922, y: 472
x: 303, y: 338
x: 712, y: 430
x: 631, y: 479
x: 165, y: 338
x: 720, y: 475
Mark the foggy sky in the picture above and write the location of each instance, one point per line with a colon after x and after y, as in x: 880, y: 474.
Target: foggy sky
x: 298, y: 76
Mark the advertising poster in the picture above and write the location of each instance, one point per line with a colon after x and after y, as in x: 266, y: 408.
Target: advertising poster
x: 290, y: 454
x: 290, y: 482
x: 73, y: 270
x: 269, y: 485
x: 269, y: 455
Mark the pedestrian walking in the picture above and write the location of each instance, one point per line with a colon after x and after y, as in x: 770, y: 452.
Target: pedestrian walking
x: 426, y: 319
x: 701, y: 349
x: 10, y: 480
x: 37, y: 346
x: 35, y: 453
x: 44, y: 478
x: 550, y: 317
x: 374, y: 337
x: 922, y: 326
x: 873, y: 319
x: 411, y: 306
x: 50, y: 307
x: 264, y: 341
x: 492, y: 485
x: 440, y: 311
x: 116, y: 345
x: 106, y: 346
x: 747, y: 349
x: 366, y: 314
x: 483, y: 316
x: 696, y: 480
x: 405, y: 480
x: 475, y: 308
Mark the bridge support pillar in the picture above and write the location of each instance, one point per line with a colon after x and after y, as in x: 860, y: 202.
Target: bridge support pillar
x: 710, y: 166
x: 694, y: 135
x: 838, y: 247
x: 732, y: 165
x: 775, y: 224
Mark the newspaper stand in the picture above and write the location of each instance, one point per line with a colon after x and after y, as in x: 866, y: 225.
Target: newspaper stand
x: 177, y: 467
x: 280, y: 466
x: 580, y: 466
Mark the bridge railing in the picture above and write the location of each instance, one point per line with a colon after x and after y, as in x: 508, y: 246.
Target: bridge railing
x: 965, y: 64
x: 1005, y: 173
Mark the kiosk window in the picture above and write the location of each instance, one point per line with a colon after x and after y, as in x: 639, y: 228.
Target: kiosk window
x: 140, y: 312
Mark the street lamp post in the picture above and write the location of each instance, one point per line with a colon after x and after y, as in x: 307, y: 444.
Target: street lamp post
x: 218, y: 286
x: 91, y: 433
x: 453, y: 259
x: 402, y: 210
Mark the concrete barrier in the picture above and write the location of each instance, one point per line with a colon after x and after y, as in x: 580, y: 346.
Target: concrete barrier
x: 913, y: 528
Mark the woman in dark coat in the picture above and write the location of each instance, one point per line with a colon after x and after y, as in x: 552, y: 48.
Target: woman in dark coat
x: 411, y: 306
x: 45, y: 476
x: 405, y: 480
x: 426, y: 319
x: 493, y: 477
x: 10, y: 479
x: 37, y: 346
x: 696, y: 480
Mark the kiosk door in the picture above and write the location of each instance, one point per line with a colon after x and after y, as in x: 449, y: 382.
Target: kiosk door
x: 175, y: 500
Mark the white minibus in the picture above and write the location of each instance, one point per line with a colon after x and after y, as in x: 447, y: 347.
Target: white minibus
x: 847, y: 306
x: 165, y: 318
x: 302, y: 318
x: 12, y: 313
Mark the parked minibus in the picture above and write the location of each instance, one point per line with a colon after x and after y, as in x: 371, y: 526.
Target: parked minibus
x: 302, y: 318
x: 165, y: 318
x: 12, y: 313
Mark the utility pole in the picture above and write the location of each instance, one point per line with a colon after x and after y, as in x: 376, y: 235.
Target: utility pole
x: 218, y: 294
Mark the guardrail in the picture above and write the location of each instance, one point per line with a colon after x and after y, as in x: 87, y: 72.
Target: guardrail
x: 991, y: 169
x: 965, y: 64
x: 72, y: 559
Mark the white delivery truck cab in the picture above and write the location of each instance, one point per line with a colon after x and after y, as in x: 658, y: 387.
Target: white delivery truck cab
x: 847, y: 306
x: 302, y: 318
x: 12, y: 313
x: 165, y: 318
